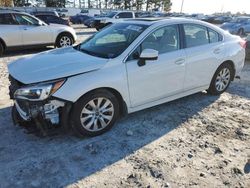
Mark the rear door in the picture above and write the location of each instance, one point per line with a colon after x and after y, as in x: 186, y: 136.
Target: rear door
x: 32, y: 32
x: 10, y: 30
x: 205, y: 51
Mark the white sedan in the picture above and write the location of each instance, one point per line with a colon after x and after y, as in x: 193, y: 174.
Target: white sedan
x: 124, y: 68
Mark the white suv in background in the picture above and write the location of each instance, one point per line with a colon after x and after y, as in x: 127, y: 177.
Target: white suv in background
x: 21, y: 30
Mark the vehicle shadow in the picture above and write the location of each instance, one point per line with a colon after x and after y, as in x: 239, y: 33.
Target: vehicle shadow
x: 25, y: 52
x: 64, y: 159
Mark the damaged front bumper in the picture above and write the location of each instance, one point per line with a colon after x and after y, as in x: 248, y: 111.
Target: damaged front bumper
x: 35, y: 105
x: 45, y: 115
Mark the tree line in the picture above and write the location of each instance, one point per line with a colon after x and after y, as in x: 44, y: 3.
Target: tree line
x: 119, y: 4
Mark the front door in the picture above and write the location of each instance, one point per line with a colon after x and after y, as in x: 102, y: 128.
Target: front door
x: 160, y: 78
x: 32, y: 32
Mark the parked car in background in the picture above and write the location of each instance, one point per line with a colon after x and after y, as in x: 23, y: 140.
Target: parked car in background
x: 222, y: 19
x: 239, y: 25
x: 129, y: 66
x: 62, y: 12
x: 209, y: 18
x: 89, y: 22
x: 53, y: 13
x: 78, y: 19
x: 49, y: 19
x: 112, y: 17
x: 22, y: 30
x: 90, y: 12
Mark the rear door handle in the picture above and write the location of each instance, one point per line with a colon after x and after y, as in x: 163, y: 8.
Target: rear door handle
x: 25, y: 28
x: 180, y: 61
x: 217, y: 51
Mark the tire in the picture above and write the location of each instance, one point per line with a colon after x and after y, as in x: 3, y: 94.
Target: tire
x: 95, y: 113
x: 1, y: 49
x: 241, y: 32
x: 64, y: 40
x: 221, y: 79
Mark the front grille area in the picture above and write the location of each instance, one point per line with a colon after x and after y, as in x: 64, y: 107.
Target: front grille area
x: 14, y: 85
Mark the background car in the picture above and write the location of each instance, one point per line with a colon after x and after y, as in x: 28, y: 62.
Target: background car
x: 112, y: 17
x: 239, y: 25
x: 78, y: 19
x: 53, y: 13
x: 21, y: 30
x: 52, y: 19
x: 222, y: 19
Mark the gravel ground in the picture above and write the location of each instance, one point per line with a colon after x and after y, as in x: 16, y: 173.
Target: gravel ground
x: 196, y: 141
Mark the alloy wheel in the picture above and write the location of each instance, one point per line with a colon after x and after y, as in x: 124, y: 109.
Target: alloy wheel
x: 97, y: 114
x: 222, y: 79
x: 65, y: 41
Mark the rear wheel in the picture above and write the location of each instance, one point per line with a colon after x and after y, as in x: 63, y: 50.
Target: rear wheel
x: 95, y: 113
x: 221, y: 79
x: 64, y: 40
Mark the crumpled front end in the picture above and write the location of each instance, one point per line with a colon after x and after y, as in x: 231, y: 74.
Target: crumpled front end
x: 45, y: 114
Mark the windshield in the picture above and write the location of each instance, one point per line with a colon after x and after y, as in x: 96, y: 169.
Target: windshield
x: 111, y: 14
x: 112, y: 41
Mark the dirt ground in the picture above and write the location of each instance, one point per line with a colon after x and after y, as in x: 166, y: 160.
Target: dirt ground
x: 196, y: 141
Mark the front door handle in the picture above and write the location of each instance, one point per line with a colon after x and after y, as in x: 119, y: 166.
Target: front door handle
x: 180, y: 61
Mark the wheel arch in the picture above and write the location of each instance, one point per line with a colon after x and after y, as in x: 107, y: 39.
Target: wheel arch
x: 231, y: 63
x: 3, y: 43
x: 122, y: 104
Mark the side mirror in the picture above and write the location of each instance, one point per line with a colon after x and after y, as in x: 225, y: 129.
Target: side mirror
x: 147, y: 54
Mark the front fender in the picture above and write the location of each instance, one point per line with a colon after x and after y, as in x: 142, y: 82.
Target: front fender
x: 76, y: 86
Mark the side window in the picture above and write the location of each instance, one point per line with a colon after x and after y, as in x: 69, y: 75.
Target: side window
x: 7, y: 19
x: 165, y: 39
x: 25, y: 20
x: 196, y: 35
x: 213, y: 36
x: 125, y: 15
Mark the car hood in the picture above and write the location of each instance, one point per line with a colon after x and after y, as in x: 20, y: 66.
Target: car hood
x: 54, y: 64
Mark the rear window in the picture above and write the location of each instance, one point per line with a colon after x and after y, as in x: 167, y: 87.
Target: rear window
x: 6, y: 19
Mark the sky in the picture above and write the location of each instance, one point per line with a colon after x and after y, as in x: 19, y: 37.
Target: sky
x: 211, y: 6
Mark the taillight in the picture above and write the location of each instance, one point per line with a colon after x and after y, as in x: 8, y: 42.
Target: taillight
x: 243, y: 43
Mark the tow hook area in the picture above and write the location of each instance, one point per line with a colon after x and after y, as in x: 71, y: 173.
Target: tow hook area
x: 45, y: 117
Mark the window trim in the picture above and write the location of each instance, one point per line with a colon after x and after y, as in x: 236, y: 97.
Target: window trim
x: 178, y: 26
x: 14, y: 19
x: 25, y: 15
x: 220, y: 36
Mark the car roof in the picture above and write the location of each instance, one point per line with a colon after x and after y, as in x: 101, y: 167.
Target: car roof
x: 164, y: 20
x: 5, y: 11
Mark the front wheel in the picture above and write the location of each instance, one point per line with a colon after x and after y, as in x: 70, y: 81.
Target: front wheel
x: 221, y: 79
x: 64, y: 40
x: 95, y: 113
